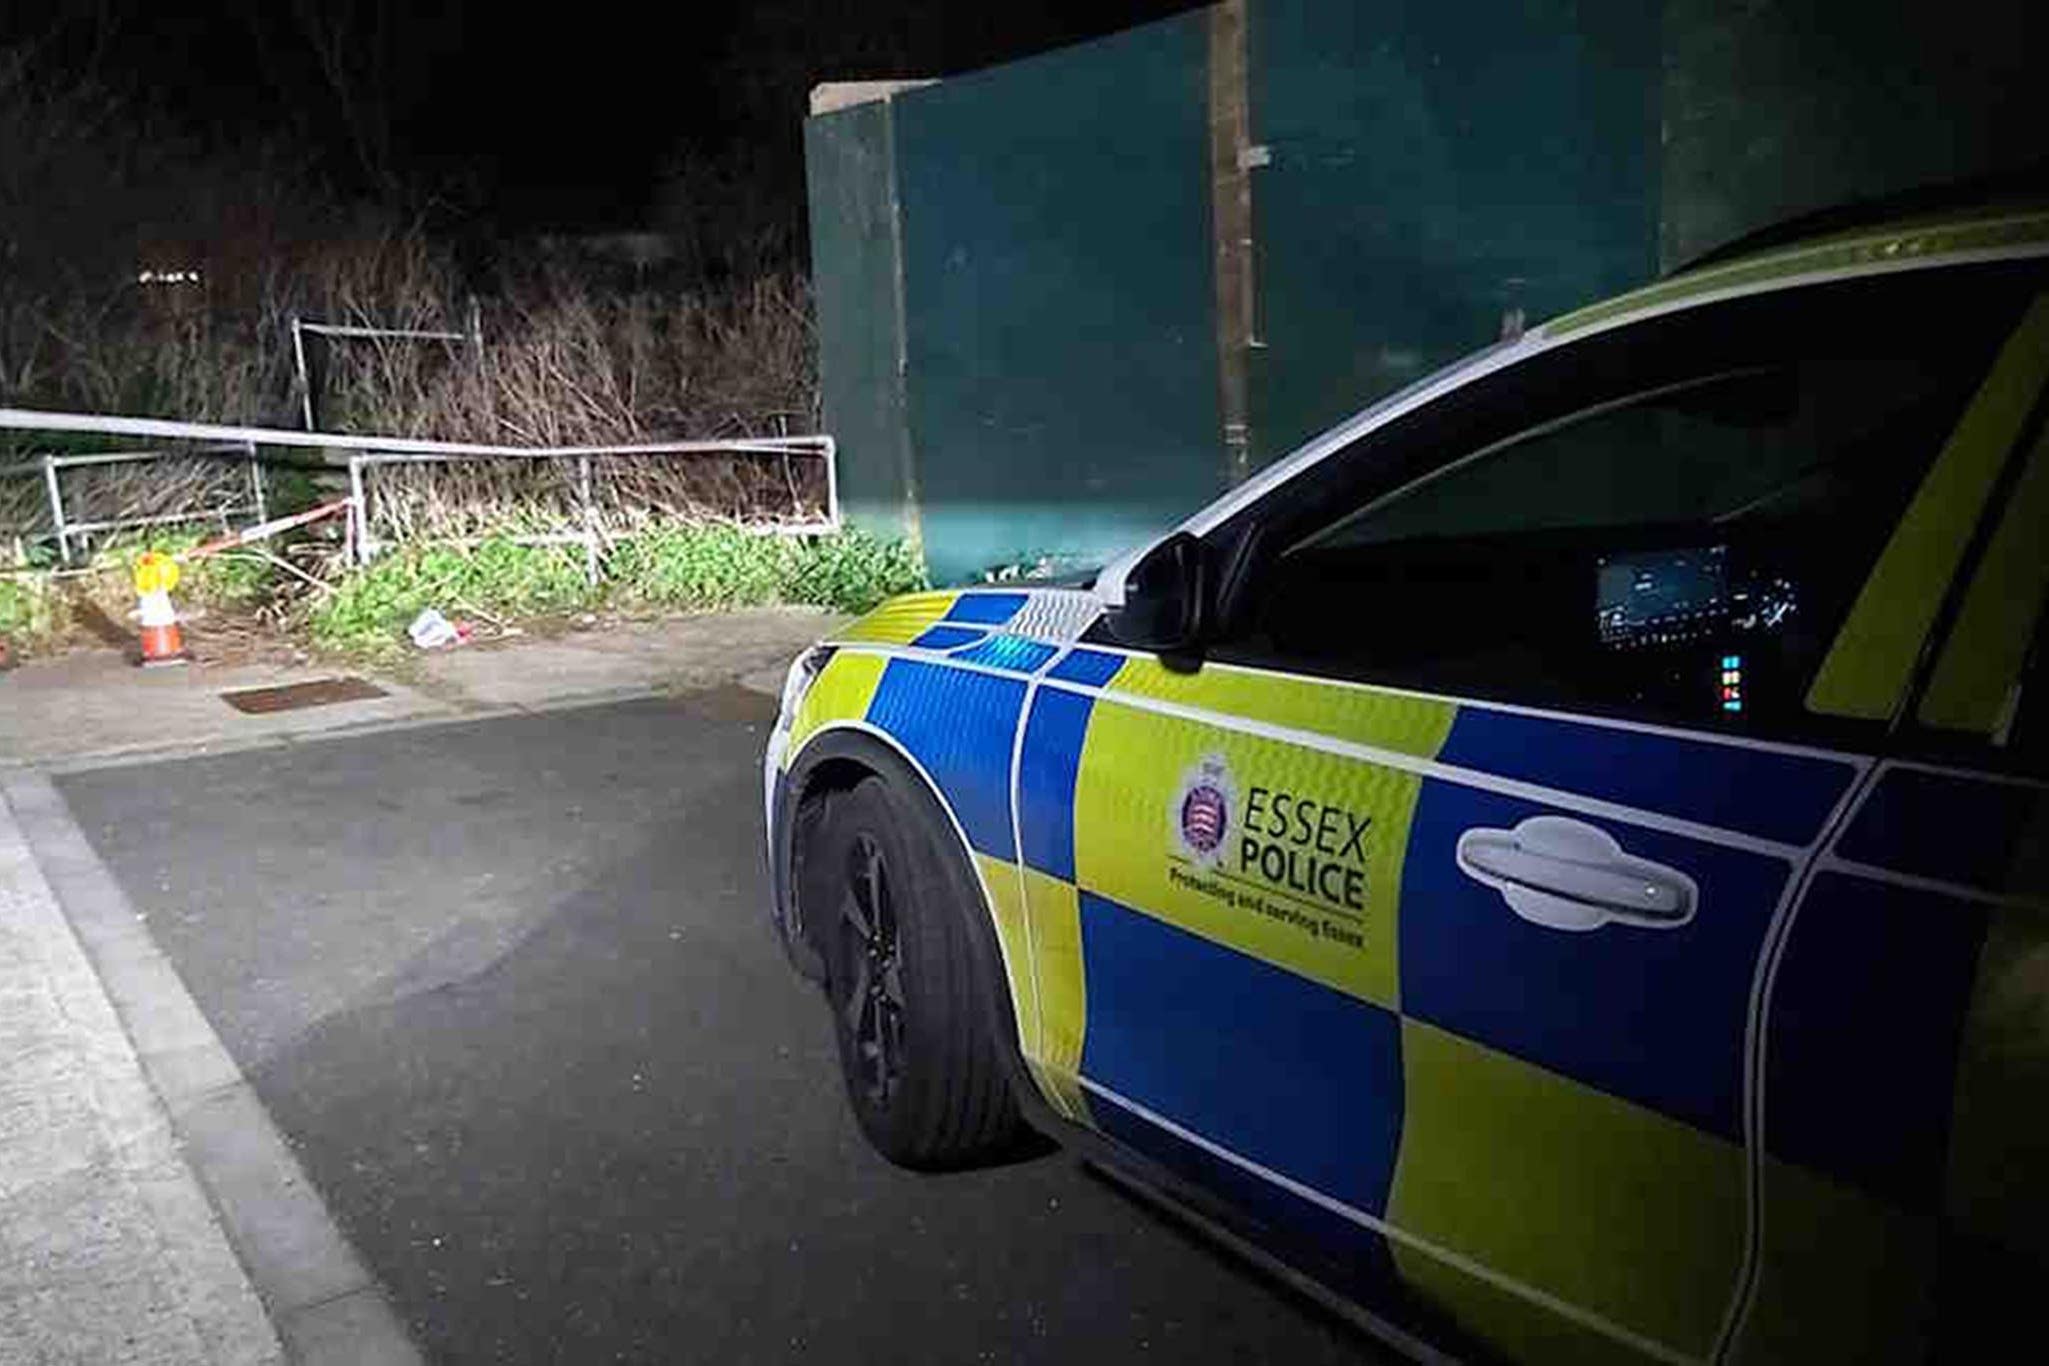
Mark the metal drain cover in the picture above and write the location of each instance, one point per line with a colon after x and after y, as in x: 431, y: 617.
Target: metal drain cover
x: 318, y: 692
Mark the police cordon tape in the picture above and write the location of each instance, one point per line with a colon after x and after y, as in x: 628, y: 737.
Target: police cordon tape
x: 263, y: 531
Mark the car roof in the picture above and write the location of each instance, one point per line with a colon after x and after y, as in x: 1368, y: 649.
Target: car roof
x: 1989, y: 233
x: 1899, y: 244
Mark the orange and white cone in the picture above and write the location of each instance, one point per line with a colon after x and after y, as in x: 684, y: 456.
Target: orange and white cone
x: 156, y: 574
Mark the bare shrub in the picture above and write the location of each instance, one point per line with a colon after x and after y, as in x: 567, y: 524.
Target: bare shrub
x: 568, y: 359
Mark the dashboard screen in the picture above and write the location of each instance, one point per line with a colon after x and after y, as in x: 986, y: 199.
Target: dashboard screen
x: 1665, y: 597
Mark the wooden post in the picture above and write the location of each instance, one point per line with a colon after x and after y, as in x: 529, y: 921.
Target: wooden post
x: 1232, y: 157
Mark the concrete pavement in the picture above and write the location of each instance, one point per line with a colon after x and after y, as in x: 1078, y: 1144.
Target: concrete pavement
x: 135, y: 1163
x: 92, y: 706
x: 109, y: 1251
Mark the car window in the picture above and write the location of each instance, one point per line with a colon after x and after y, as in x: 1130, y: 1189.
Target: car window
x: 1671, y: 525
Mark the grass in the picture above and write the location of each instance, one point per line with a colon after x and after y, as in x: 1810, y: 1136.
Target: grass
x: 227, y: 581
x: 34, y: 608
x: 671, y: 567
x: 29, y: 611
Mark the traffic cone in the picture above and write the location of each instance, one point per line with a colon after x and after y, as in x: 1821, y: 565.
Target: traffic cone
x: 156, y: 574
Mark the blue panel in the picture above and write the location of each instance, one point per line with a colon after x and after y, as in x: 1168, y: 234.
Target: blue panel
x: 1360, y: 1254
x: 989, y: 609
x: 1761, y: 792
x: 1656, y: 1016
x: 948, y: 637
x: 1957, y: 829
x: 1045, y: 784
x: 1867, y: 1010
x: 1093, y: 667
x: 959, y: 724
x: 1276, y: 1068
x: 1008, y: 652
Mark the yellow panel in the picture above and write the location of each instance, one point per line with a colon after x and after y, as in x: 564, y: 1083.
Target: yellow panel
x: 1606, y: 1205
x: 1866, y: 671
x: 1842, y: 1277
x: 900, y: 620
x: 1007, y: 905
x: 1054, y: 909
x: 1526, y: 1330
x: 1981, y: 664
x: 1367, y: 716
x: 1289, y: 854
x: 841, y: 692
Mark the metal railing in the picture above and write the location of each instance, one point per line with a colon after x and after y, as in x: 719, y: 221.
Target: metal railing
x: 301, y: 328
x: 365, y: 454
x: 66, y: 529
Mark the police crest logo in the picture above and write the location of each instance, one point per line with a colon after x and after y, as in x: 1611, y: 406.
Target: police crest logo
x: 1202, y: 811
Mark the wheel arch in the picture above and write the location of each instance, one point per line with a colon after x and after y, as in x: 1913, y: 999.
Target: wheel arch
x: 835, y: 758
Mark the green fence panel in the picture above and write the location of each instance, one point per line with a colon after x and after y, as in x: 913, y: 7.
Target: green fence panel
x: 1433, y: 167
x: 848, y: 160
x: 1060, y: 321
x: 1777, y: 110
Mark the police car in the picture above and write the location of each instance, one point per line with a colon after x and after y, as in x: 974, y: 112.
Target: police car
x: 1561, y: 861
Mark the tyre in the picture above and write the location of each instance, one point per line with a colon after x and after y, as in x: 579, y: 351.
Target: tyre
x: 885, y: 900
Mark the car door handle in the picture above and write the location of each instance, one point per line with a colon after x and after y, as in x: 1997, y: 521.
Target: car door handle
x: 1564, y: 874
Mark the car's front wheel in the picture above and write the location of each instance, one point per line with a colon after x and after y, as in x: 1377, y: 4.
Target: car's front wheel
x: 883, y: 898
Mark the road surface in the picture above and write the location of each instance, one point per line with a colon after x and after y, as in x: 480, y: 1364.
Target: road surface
x: 508, y: 989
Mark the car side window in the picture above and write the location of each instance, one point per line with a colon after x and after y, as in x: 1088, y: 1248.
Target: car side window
x: 1670, y: 522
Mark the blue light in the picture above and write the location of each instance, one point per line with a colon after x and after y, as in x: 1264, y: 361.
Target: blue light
x: 1732, y: 661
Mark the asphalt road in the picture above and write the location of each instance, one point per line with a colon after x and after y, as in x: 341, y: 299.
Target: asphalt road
x: 509, y: 989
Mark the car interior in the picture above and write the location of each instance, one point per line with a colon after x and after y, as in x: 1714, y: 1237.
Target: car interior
x: 1685, y: 557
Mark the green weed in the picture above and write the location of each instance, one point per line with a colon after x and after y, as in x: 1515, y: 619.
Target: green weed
x: 701, y: 566
x: 678, y: 567
x: 28, y: 609
x: 216, y: 581
x: 370, y: 607
x: 853, y: 571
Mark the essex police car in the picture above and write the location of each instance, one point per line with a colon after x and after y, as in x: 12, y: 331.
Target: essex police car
x: 1559, y: 861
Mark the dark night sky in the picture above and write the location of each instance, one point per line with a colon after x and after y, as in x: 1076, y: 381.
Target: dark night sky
x: 560, y: 117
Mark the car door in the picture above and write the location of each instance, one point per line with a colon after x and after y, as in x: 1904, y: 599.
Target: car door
x: 1905, y: 1162
x: 1424, y: 915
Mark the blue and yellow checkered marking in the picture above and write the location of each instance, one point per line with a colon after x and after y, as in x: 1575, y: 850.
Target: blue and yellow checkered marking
x: 1091, y: 668
x: 1656, y: 1017
x: 1047, y: 765
x: 1773, y: 794
x: 1243, y: 1052
x: 944, y: 637
x: 1004, y: 651
x: 958, y: 724
x: 986, y: 609
x: 1866, y: 1014
x: 1954, y: 828
x: 1232, y: 1023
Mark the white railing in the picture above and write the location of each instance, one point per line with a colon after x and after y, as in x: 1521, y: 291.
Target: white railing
x: 66, y: 528
x: 365, y: 454
x: 302, y: 328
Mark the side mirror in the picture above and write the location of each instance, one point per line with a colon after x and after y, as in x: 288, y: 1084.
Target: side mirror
x: 1164, y: 598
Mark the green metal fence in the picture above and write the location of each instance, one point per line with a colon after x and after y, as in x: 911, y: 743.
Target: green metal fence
x: 1065, y: 301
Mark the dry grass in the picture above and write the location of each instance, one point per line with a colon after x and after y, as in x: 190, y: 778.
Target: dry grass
x: 566, y: 365
x: 571, y: 356
x: 561, y: 365
x: 195, y: 487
